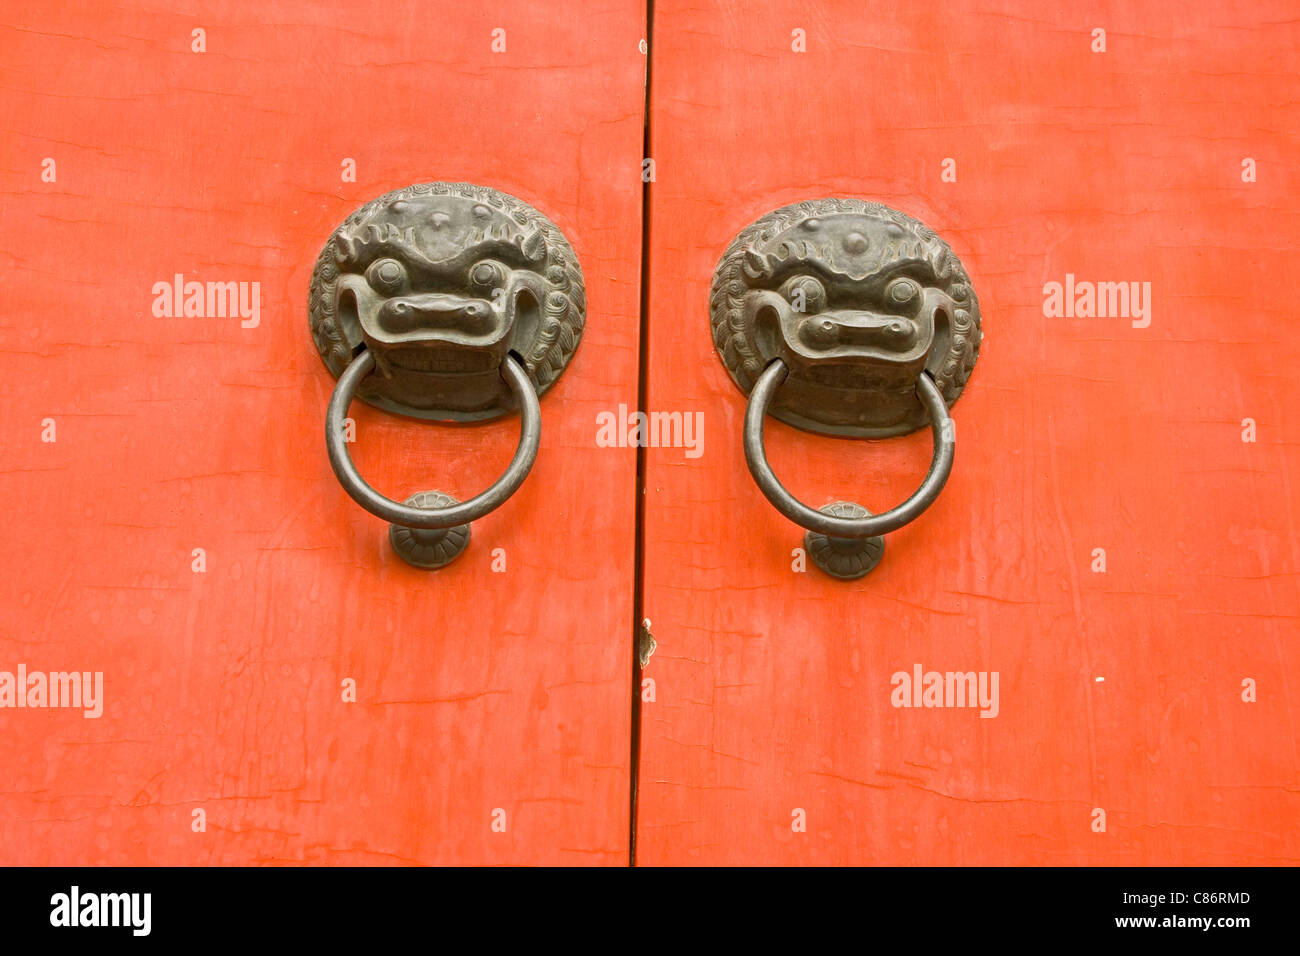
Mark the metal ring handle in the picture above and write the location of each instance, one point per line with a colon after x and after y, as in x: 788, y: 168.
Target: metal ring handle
x: 432, y: 518
x: 845, y: 527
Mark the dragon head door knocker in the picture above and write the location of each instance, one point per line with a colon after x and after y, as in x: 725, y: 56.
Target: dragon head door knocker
x: 849, y: 318
x: 444, y: 301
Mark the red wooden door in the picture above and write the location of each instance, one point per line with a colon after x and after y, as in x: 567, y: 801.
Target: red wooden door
x: 174, y: 523
x: 1118, y: 538
x: 1117, y: 542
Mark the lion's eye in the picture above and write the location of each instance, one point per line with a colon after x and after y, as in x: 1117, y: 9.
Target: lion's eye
x: 387, y: 276
x: 806, y: 294
x: 902, y: 291
x: 487, y: 276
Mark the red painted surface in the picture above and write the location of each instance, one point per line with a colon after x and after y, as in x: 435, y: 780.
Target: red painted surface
x: 478, y: 690
x: 222, y: 690
x: 1119, y: 690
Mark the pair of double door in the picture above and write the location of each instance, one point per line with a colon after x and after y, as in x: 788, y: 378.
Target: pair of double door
x: 1117, y: 543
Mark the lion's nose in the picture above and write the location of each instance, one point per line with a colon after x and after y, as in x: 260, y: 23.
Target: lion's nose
x: 436, y: 312
x: 830, y: 329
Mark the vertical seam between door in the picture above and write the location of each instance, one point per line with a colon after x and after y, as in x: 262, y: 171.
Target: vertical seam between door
x: 642, y: 384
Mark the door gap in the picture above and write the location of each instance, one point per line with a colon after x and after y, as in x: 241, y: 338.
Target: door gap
x: 642, y: 385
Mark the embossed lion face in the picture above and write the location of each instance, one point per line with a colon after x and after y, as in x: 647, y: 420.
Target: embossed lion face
x: 858, y: 300
x: 437, y: 283
x: 846, y: 290
x: 440, y: 282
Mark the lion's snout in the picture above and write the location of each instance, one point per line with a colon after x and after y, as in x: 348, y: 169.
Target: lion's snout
x: 859, y: 328
x: 437, y: 312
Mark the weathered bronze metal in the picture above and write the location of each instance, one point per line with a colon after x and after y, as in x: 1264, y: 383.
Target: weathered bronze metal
x: 849, y: 318
x: 857, y: 299
x: 844, y: 558
x: 439, y: 282
x: 429, y: 547
x: 444, y: 301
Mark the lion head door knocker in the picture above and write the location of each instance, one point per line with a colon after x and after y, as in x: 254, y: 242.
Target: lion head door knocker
x: 444, y: 301
x: 848, y: 318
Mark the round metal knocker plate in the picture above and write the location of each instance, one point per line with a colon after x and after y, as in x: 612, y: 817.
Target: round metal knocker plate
x: 858, y: 300
x: 440, y: 282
